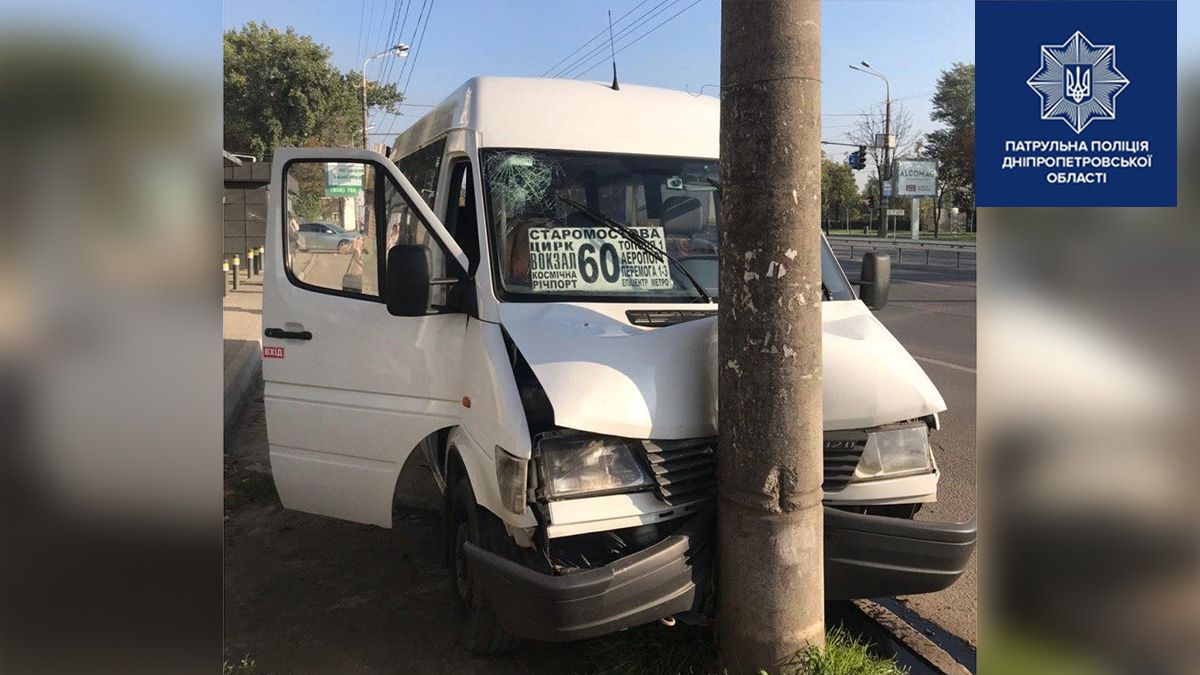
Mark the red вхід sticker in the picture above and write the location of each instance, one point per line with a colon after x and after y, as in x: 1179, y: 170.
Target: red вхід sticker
x: 272, y: 352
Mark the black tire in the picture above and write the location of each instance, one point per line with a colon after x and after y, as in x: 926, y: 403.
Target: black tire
x: 342, y: 246
x: 481, y: 630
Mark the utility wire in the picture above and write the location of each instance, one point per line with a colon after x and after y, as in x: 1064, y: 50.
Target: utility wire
x: 392, y: 39
x: 618, y: 21
x: 406, y: 64
x: 420, y: 41
x: 599, y: 48
x: 639, y: 39
x: 414, y: 54
x: 370, y: 31
x: 384, y: 68
x: 362, y: 21
x: 627, y: 33
x: 411, y: 50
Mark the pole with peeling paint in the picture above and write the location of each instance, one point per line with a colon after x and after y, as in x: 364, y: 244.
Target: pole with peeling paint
x: 770, y: 588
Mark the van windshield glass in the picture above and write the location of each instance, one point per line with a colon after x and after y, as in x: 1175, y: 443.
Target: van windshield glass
x: 545, y: 248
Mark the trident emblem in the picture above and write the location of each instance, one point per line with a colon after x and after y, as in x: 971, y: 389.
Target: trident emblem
x: 1079, y: 83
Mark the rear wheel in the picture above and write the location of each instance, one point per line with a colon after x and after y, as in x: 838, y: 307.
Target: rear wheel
x: 481, y: 632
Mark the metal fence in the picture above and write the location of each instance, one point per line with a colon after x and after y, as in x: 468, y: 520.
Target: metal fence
x: 907, y: 252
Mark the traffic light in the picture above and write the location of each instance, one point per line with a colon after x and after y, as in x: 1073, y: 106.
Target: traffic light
x: 857, y: 160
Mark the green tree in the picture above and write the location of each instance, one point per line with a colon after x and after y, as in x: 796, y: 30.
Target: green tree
x: 839, y: 194
x: 281, y: 90
x: 954, y: 144
x: 870, y: 195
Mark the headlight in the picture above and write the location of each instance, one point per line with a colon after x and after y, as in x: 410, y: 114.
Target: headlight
x: 580, y: 465
x: 895, y: 452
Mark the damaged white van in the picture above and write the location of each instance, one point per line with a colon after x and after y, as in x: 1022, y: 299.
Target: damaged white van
x: 527, y: 297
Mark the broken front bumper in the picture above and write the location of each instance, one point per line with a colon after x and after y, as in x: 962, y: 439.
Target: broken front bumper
x: 865, y: 556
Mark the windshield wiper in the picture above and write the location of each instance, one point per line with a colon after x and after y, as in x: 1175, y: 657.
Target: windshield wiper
x: 639, y: 241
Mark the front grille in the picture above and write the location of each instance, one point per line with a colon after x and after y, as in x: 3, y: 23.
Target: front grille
x: 843, y: 449
x: 656, y: 318
x: 686, y: 470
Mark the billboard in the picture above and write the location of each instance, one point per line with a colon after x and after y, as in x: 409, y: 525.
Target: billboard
x: 344, y: 179
x: 915, y: 178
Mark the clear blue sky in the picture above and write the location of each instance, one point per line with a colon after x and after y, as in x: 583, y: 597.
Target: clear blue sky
x: 911, y: 42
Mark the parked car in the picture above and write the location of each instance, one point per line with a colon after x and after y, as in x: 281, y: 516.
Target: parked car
x: 324, y: 237
x: 558, y: 374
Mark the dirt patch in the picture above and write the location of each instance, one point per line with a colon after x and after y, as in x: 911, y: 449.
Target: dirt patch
x: 307, y: 594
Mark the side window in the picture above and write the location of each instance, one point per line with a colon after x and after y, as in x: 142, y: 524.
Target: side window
x: 403, y: 226
x: 422, y: 169
x: 460, y: 217
x: 330, y: 225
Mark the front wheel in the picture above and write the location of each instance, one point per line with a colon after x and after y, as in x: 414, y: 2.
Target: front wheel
x: 482, y: 632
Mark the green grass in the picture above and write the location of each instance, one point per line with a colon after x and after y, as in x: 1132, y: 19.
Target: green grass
x: 688, y: 650
x: 246, y: 666
x: 843, y: 655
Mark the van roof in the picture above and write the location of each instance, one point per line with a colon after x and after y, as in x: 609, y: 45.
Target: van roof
x: 528, y: 112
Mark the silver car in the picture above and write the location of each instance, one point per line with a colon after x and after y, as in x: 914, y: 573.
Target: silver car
x: 325, y: 237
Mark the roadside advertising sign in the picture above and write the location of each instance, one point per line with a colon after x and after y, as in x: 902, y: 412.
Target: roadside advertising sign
x: 343, y: 179
x: 916, y: 178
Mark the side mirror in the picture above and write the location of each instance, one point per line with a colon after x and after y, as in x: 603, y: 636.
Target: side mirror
x: 876, y: 279
x: 406, y: 287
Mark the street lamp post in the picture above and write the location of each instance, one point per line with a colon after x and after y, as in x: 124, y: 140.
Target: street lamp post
x: 399, y: 49
x: 885, y: 170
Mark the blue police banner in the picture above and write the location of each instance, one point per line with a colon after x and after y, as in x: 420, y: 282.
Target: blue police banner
x: 1076, y: 103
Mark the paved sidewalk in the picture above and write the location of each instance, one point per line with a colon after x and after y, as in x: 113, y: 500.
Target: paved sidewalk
x: 242, y: 332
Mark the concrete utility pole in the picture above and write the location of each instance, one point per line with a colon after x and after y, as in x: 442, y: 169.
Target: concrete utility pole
x: 770, y: 524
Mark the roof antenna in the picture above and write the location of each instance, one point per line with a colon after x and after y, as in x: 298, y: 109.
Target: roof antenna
x: 612, y: 50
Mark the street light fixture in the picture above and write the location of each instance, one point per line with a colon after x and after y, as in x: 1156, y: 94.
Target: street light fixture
x: 885, y: 170
x: 399, y: 50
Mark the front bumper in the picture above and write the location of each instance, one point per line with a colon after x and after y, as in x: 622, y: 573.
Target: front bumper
x: 865, y: 556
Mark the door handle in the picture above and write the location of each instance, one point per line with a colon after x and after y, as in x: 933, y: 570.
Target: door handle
x: 287, y: 334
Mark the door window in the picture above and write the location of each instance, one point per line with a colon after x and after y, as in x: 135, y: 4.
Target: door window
x: 330, y: 224
x: 341, y: 218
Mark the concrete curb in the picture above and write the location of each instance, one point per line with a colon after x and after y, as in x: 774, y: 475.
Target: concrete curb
x: 911, y: 639
x: 240, y: 374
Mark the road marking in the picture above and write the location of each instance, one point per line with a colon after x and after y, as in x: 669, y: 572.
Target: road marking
x: 945, y: 364
x: 930, y: 283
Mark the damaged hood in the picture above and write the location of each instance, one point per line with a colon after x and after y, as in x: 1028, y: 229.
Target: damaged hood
x: 603, y: 375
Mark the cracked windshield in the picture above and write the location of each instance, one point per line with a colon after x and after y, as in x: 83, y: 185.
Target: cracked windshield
x: 605, y: 227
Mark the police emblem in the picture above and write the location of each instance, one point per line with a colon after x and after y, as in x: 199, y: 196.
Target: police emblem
x: 1078, y: 82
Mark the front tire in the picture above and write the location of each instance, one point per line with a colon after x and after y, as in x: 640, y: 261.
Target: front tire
x: 481, y: 632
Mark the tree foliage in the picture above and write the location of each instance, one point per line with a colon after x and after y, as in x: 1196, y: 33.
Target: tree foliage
x: 281, y: 90
x: 953, y: 145
x: 840, y: 202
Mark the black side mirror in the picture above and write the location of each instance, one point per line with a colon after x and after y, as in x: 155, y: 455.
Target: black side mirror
x: 407, y: 284
x: 876, y: 279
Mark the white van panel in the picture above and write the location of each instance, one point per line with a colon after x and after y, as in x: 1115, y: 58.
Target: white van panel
x: 611, y: 512
x: 607, y: 376
x: 346, y: 405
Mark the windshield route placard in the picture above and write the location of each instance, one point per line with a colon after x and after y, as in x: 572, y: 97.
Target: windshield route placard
x: 595, y: 259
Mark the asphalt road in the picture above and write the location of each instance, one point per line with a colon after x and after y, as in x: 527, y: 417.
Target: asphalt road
x: 931, y: 311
